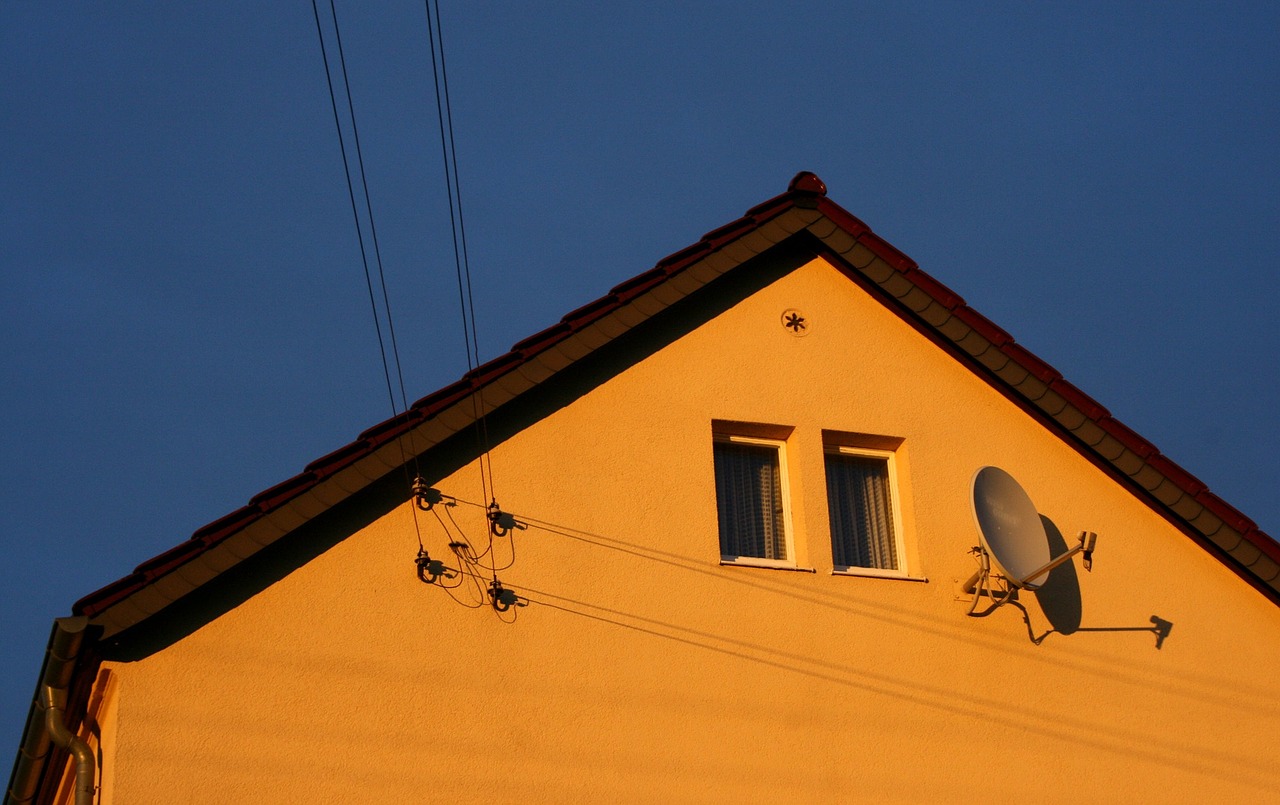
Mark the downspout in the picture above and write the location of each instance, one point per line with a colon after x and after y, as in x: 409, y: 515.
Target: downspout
x: 59, y: 674
x: 54, y: 702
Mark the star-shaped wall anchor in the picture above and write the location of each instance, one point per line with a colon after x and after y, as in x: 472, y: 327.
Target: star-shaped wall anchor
x: 795, y: 322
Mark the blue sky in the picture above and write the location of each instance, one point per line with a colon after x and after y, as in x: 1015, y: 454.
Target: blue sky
x: 184, y: 319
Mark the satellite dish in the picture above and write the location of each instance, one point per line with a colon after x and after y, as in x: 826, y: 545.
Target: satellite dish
x: 1009, y: 525
x: 1014, y: 542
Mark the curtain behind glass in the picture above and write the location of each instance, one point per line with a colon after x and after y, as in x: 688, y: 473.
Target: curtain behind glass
x: 749, y: 501
x: 861, y: 512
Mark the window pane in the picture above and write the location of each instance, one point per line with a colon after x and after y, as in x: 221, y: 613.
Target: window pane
x: 861, y: 512
x: 749, y: 501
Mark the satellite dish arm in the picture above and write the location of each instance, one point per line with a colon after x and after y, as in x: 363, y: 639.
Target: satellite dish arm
x: 1088, y: 541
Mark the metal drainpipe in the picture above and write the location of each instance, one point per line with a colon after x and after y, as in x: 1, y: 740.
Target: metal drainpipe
x: 54, y: 701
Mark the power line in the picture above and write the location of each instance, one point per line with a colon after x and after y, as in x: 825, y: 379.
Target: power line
x: 373, y: 231
x: 458, y: 230
x: 351, y: 194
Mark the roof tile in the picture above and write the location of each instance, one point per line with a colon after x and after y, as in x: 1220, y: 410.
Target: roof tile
x: 935, y: 314
x: 100, y: 600
x: 954, y: 328
x: 998, y: 362
x: 1086, y: 404
x: 329, y: 464
x: 437, y: 401
x: 843, y: 242
x: 887, y: 251
x: 1267, y: 569
x: 589, y: 312
x: 227, y: 524
x: 1185, y: 480
x: 1264, y: 542
x: 767, y: 209
x: 1038, y: 368
x: 729, y: 231
x: 638, y: 284
x: 491, y: 370
x: 677, y: 260
x: 983, y: 326
x: 1070, y: 417
x: 843, y: 218
x: 542, y: 339
x: 1089, y: 433
x: 1187, y: 507
x: 391, y: 428
x: 1130, y: 440
x: 1226, y: 512
x: 1246, y: 553
x: 274, y: 496
x: 1051, y: 402
x: 918, y: 300
x: 942, y: 294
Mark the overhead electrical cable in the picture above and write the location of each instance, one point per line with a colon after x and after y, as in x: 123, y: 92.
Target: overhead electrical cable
x: 462, y: 264
x: 373, y: 229
x: 355, y: 213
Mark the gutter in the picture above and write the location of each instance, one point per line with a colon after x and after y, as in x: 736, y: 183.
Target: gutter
x: 46, y: 731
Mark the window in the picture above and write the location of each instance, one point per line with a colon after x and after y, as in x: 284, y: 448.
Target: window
x: 752, y: 500
x: 866, y: 531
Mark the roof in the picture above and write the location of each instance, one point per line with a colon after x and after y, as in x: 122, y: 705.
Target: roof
x: 802, y: 215
x: 802, y: 219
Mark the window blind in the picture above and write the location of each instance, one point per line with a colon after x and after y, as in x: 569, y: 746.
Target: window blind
x: 749, y: 501
x: 859, y: 500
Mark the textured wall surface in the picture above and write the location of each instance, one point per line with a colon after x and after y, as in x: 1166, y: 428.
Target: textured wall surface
x: 643, y: 671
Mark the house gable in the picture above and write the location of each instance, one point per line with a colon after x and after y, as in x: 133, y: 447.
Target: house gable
x: 800, y: 221
x: 314, y: 537
x: 642, y: 663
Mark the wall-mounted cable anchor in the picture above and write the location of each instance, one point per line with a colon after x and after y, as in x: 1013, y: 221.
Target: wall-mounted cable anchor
x: 501, y: 523
x: 503, y: 599
x: 425, y: 496
x: 430, y: 570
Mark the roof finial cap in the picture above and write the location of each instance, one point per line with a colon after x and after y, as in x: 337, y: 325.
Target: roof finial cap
x: 807, y: 182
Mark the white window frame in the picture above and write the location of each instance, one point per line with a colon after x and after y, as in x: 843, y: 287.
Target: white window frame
x: 895, y: 514
x: 780, y: 446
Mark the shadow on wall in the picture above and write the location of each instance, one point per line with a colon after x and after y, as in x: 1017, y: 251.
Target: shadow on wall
x: 1059, y: 596
x: 1059, y: 599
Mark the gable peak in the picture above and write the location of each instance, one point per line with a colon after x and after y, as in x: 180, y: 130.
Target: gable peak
x: 807, y: 182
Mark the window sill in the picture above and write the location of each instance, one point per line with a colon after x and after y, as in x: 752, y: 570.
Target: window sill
x: 766, y: 564
x: 874, y: 573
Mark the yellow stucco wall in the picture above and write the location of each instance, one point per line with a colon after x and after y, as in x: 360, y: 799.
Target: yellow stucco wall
x: 646, y: 672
